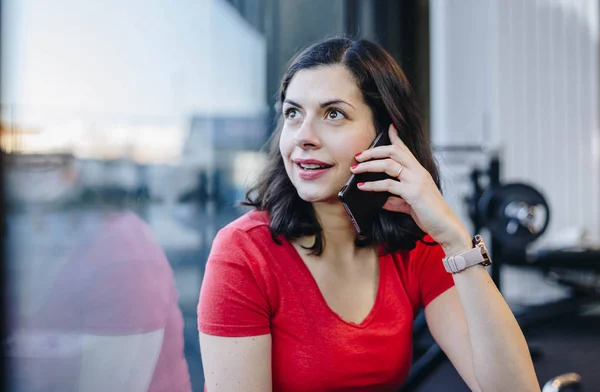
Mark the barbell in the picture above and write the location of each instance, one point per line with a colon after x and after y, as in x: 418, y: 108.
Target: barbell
x: 516, y: 214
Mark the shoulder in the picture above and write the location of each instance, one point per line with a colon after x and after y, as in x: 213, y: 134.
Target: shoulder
x: 122, y: 239
x: 426, y: 246
x: 242, y: 258
x: 414, y: 262
x: 250, y: 221
x: 250, y: 228
x: 122, y: 250
x: 423, y: 248
x: 246, y: 238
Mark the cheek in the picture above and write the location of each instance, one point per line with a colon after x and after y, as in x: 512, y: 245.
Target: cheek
x: 286, y: 144
x: 344, y: 149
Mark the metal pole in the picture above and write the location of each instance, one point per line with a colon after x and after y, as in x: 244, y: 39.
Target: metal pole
x: 496, y: 247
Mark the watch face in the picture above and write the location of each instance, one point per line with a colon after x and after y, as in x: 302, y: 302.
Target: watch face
x: 478, y: 241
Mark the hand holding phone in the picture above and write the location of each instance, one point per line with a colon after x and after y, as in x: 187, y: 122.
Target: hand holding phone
x: 364, y: 207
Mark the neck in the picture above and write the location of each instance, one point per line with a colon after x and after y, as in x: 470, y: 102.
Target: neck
x: 338, y: 232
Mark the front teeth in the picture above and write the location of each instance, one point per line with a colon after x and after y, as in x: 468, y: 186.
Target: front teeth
x: 311, y: 167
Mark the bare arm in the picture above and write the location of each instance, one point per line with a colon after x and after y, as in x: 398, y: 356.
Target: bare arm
x: 499, y: 353
x: 448, y: 326
x: 235, y: 364
x: 119, y: 363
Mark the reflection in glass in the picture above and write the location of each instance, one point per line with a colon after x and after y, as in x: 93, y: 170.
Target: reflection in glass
x: 94, y: 298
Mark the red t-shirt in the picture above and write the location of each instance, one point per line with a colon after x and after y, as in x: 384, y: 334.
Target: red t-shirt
x: 252, y: 286
x: 117, y: 282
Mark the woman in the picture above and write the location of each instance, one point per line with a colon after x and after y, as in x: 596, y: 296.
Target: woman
x: 292, y: 300
x: 98, y: 307
x: 95, y: 302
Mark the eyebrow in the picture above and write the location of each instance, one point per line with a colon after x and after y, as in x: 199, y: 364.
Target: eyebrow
x: 321, y: 105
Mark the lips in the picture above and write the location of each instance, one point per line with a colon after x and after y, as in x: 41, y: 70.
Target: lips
x: 311, y: 169
x: 312, y: 164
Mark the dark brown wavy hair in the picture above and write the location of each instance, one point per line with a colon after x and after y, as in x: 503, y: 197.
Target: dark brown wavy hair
x: 391, y: 99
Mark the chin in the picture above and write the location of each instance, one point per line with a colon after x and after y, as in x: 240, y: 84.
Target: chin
x: 317, y: 195
x: 322, y: 190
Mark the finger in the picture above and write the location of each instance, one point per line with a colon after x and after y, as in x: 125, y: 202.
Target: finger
x: 387, y: 185
x: 397, y: 204
x: 387, y: 166
x: 394, y: 152
x: 394, y: 137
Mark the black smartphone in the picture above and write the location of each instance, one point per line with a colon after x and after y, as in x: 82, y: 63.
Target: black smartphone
x: 363, y: 207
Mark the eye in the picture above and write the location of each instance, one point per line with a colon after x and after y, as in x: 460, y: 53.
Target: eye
x: 291, y: 114
x: 335, y: 114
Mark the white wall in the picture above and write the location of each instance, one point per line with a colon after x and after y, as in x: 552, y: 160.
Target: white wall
x: 522, y: 76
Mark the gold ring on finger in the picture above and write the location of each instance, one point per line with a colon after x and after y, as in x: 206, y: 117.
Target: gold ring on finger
x: 400, y: 171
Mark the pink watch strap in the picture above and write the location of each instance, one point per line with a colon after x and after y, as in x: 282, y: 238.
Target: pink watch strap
x: 462, y: 261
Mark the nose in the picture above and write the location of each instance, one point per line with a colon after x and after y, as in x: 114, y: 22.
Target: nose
x: 306, y: 137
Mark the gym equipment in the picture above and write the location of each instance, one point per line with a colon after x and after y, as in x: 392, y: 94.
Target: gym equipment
x: 569, y: 382
x: 516, y: 214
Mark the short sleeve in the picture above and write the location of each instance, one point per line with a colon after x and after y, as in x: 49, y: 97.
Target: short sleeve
x: 128, y: 298
x: 431, y: 277
x: 117, y: 281
x: 233, y: 297
x: 132, y: 285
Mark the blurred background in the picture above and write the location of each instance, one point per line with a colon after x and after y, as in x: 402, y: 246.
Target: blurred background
x: 130, y: 129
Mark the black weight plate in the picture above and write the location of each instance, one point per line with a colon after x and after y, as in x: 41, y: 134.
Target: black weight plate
x: 492, y: 205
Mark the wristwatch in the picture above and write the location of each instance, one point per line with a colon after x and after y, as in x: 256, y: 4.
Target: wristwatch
x: 478, y: 255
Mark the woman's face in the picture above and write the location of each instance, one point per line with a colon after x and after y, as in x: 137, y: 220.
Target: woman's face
x: 326, y: 123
